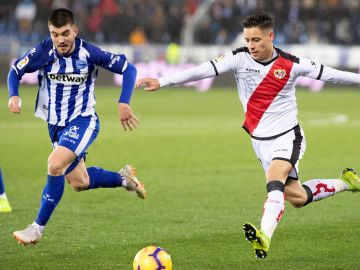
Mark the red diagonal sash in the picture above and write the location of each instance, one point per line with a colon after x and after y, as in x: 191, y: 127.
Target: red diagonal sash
x: 266, y: 92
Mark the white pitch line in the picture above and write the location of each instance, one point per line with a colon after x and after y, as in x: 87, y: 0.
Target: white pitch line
x: 323, y: 119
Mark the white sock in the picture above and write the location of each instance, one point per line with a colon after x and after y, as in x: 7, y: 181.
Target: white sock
x: 3, y: 195
x: 272, y: 212
x: 39, y: 227
x: 124, y: 183
x: 323, y: 188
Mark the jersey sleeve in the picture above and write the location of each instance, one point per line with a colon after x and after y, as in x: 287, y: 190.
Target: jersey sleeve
x: 116, y: 63
x: 205, y: 70
x: 33, y: 60
x: 202, y: 71
x: 338, y: 76
x: 225, y: 63
x: 308, y: 68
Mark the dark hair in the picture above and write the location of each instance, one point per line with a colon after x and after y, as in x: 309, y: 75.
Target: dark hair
x: 259, y: 19
x: 61, y: 17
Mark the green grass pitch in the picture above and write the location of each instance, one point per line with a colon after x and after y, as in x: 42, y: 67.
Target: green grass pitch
x: 203, y: 182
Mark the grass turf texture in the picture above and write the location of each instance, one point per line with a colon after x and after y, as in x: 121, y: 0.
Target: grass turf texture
x: 203, y: 182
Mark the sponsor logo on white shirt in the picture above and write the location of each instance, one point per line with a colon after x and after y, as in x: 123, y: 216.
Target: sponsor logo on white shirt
x: 67, y: 79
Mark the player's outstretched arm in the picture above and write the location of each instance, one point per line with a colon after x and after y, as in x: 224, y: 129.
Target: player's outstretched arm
x: 205, y: 70
x: 309, y: 68
x: 127, y: 118
x: 149, y: 84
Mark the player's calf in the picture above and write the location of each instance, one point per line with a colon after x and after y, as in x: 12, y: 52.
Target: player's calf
x: 100, y: 178
x: 78, y: 183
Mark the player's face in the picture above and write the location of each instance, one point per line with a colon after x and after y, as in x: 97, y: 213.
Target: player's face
x: 259, y: 42
x: 63, y: 38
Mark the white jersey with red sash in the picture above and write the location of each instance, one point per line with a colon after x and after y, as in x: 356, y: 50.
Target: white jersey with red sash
x: 267, y: 89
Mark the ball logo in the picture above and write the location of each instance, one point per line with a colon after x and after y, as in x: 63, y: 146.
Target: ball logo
x: 279, y: 73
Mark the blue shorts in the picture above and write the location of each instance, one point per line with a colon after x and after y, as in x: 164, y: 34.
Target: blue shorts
x: 76, y: 136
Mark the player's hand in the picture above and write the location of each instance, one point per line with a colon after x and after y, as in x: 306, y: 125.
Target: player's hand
x: 149, y: 84
x: 14, y: 104
x: 127, y: 118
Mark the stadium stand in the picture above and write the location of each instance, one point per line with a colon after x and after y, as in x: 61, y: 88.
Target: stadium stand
x: 161, y: 21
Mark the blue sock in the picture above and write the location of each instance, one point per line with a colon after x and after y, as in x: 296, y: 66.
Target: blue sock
x: 100, y: 178
x: 51, y: 196
x: 2, y: 187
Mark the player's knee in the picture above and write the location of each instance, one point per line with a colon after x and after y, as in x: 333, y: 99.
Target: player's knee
x: 78, y: 184
x: 296, y: 195
x: 297, y: 203
x: 55, y: 168
x: 77, y: 188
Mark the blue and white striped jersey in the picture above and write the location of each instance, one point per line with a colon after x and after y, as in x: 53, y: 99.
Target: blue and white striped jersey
x: 66, y: 84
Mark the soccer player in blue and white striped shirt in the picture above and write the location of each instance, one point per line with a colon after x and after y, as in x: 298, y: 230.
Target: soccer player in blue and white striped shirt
x: 68, y: 67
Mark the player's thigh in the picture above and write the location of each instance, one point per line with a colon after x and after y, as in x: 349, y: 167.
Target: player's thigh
x: 78, y: 178
x: 262, y: 151
x: 295, y: 193
x: 280, y: 157
x: 79, y: 134
x: 76, y: 136
x: 290, y: 149
x: 278, y: 170
x: 60, y: 159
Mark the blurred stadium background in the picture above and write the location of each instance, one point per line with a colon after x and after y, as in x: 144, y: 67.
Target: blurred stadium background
x: 163, y: 21
x: 157, y: 33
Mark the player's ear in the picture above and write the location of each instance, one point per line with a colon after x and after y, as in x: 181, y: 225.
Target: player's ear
x: 272, y: 36
x: 76, y: 29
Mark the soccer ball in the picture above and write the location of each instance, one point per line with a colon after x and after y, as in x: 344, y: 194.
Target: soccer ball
x: 152, y: 258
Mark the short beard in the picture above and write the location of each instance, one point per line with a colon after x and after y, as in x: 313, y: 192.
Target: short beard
x: 71, y: 46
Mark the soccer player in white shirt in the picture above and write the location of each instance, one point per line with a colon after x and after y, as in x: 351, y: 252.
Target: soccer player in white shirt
x: 265, y: 77
x: 68, y: 67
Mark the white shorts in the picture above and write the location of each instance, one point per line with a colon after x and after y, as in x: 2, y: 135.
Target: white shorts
x: 289, y: 147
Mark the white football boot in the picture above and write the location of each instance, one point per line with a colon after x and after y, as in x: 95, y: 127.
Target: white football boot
x: 132, y: 183
x: 31, y: 235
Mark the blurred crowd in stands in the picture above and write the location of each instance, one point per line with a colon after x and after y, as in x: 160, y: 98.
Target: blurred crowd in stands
x: 162, y: 21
